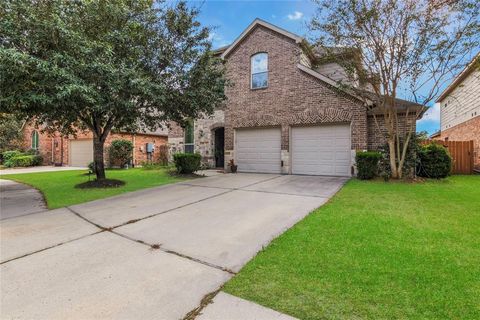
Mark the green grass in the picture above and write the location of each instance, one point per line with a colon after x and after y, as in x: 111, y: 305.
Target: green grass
x: 376, y: 251
x: 59, y: 189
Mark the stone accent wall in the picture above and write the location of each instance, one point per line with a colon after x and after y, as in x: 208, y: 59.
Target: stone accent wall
x: 204, y: 139
x: 377, y: 134
x: 468, y: 130
x: 51, y: 145
x: 291, y: 98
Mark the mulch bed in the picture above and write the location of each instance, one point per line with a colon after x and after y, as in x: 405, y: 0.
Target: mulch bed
x: 106, y: 183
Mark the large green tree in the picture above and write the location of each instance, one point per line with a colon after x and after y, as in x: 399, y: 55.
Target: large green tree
x: 103, y: 64
x: 398, y: 49
x: 10, y: 132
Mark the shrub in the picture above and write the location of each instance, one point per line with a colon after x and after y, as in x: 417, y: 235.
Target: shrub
x: 37, y: 160
x: 91, y: 167
x: 367, y: 164
x: 21, y: 161
x: 120, y: 152
x: 7, y: 155
x: 435, y: 161
x: 411, y: 157
x: 187, y: 162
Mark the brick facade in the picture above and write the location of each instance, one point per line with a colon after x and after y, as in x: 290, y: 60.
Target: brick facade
x: 51, y: 145
x: 377, y: 133
x: 468, y: 130
x: 292, y: 96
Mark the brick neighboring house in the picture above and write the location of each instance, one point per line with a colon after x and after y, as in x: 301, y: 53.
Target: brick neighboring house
x: 78, y: 151
x: 460, y: 109
x: 285, y: 112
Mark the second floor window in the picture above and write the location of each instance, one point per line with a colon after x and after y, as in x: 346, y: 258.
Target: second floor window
x: 259, y: 70
x: 189, y: 134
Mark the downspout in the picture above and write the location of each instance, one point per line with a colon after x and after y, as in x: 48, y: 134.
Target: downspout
x: 61, y: 150
x: 134, y: 151
x: 53, y: 150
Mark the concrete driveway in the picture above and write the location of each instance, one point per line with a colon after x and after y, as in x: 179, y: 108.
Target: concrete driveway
x: 156, y: 253
x: 17, y: 199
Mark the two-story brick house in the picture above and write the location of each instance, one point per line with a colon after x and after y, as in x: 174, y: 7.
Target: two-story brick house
x: 283, y: 114
x: 460, y: 109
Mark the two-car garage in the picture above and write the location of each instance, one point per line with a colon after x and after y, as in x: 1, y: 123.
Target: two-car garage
x: 314, y: 150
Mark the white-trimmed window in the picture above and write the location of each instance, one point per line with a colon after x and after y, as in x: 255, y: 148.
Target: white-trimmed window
x: 259, y: 70
x: 189, y: 137
x: 35, y: 140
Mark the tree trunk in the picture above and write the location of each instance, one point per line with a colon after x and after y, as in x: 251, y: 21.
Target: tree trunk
x: 393, y: 158
x: 98, y: 144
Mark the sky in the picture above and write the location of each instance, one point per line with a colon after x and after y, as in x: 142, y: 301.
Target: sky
x: 230, y: 18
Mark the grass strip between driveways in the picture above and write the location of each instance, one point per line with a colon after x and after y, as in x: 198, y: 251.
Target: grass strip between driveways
x: 376, y: 251
x: 59, y: 189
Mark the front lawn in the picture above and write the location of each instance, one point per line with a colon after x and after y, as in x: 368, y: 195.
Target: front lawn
x: 378, y: 251
x: 59, y: 189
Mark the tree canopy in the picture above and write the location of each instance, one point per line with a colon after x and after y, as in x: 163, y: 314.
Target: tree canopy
x: 97, y: 65
x: 398, y: 49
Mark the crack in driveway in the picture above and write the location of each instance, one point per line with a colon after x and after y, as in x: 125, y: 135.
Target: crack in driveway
x: 50, y: 247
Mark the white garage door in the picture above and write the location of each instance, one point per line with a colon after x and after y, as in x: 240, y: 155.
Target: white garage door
x: 321, y: 150
x: 81, y: 152
x: 258, y: 150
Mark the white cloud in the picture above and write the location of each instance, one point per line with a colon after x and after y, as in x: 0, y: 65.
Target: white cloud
x: 217, y: 40
x: 295, y: 16
x: 432, y: 114
x: 211, y: 36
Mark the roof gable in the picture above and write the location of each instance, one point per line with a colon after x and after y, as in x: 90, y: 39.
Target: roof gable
x: 469, y: 68
x: 258, y: 22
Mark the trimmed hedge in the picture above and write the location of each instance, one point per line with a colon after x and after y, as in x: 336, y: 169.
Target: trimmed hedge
x: 367, y: 164
x: 120, y: 152
x: 7, y: 155
x: 19, y: 159
x: 435, y: 161
x: 24, y: 161
x: 187, y: 163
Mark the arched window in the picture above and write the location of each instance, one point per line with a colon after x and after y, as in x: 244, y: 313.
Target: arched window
x: 35, y: 140
x: 259, y: 70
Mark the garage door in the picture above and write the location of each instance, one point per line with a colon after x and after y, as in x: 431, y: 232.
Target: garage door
x: 258, y: 150
x: 81, y: 152
x: 321, y: 150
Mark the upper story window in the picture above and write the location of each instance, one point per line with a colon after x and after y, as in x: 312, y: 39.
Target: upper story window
x: 189, y: 136
x: 35, y: 139
x: 259, y: 70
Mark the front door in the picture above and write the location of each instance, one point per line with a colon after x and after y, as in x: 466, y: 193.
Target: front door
x: 219, y: 147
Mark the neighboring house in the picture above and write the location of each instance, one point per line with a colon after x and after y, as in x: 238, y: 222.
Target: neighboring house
x: 285, y: 112
x: 460, y: 109
x: 78, y: 151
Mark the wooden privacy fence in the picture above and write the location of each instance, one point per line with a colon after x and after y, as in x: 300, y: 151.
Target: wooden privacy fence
x: 462, y: 155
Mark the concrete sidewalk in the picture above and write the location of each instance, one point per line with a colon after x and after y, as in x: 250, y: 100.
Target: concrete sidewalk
x: 156, y: 253
x: 38, y: 169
